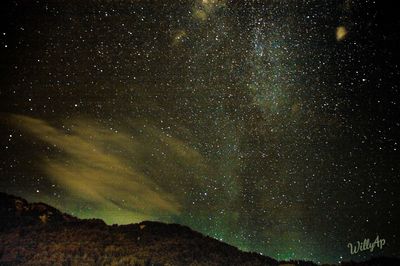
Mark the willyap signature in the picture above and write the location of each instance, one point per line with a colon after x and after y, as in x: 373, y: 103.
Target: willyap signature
x: 366, y: 245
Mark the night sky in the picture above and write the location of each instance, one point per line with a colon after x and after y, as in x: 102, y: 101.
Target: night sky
x: 271, y: 125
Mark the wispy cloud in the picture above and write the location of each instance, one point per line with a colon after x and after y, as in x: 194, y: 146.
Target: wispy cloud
x: 115, y: 170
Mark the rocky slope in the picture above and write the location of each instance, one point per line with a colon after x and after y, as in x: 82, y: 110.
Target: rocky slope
x: 38, y: 234
x: 35, y: 233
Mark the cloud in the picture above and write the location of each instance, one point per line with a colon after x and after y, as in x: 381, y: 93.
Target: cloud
x: 341, y: 33
x: 135, y: 173
x: 204, y: 8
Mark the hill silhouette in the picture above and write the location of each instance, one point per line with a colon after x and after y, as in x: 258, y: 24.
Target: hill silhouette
x: 38, y: 234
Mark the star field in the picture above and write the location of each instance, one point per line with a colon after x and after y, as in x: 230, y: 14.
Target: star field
x: 270, y: 125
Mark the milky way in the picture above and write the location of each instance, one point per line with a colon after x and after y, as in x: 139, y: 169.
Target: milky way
x: 270, y: 125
